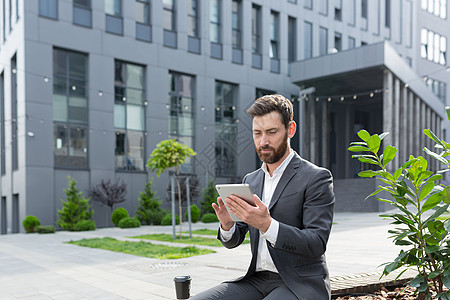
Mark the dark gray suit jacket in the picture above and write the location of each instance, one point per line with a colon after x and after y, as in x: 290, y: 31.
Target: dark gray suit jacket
x: 303, y: 204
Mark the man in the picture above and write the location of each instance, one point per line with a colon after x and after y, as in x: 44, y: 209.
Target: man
x: 291, y: 222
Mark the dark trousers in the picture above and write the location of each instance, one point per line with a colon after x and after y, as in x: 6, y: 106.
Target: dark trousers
x: 263, y: 285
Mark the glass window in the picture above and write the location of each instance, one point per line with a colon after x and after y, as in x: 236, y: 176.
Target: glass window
x: 323, y: 41
x: 364, y: 9
x: 308, y: 4
x: 256, y: 29
x: 387, y: 17
x: 193, y: 15
x: 129, y: 116
x: 433, y: 46
x: 214, y: 20
x: 226, y: 129
x: 143, y: 11
x: 70, y: 111
x: 436, y: 7
x: 82, y: 3
x: 274, y: 33
x: 181, y: 112
x: 169, y: 15
x: 337, y: 41
x: 351, y: 43
x: 82, y: 14
x: 236, y: 22
x: 292, y: 39
x: 113, y: 7
x: 47, y: 8
x: 323, y: 7
x: 308, y: 40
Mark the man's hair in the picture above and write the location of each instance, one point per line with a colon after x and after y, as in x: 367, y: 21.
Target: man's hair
x: 269, y: 103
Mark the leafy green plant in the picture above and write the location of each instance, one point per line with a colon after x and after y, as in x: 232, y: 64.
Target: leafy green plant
x: 128, y: 222
x: 148, y: 211
x: 167, y: 220
x: 46, y: 229
x: 84, y: 225
x: 76, y: 208
x: 209, y: 218
x: 30, y: 223
x: 118, y: 215
x: 195, y: 213
x: 209, y: 197
x: 415, y: 192
x: 169, y: 154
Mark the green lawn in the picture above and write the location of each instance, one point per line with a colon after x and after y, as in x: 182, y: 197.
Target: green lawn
x: 184, y: 239
x: 141, y: 248
x: 205, y: 231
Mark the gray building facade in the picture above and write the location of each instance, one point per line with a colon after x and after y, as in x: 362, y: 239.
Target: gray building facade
x: 88, y: 88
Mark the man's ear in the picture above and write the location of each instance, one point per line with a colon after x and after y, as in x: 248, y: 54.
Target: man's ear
x: 292, y: 129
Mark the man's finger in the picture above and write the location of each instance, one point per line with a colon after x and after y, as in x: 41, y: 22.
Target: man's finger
x: 258, y: 202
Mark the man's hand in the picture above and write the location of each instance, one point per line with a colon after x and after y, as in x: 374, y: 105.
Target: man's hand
x: 257, y: 216
x: 222, y: 214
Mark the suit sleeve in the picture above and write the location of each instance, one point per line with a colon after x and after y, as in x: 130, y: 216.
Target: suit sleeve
x: 317, y: 213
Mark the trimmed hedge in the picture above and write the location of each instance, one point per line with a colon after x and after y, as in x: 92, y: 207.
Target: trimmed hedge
x: 167, y: 220
x: 46, y: 229
x: 195, y: 213
x: 128, y: 222
x: 84, y: 225
x: 30, y: 223
x: 118, y: 214
x: 209, y: 218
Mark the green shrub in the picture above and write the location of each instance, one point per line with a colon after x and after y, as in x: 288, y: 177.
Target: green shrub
x: 128, y: 222
x: 45, y: 229
x: 148, y: 211
x: 167, y: 220
x: 195, y: 213
x: 209, y: 195
x: 209, y: 218
x: 30, y: 223
x: 118, y: 214
x: 84, y: 225
x: 75, y: 208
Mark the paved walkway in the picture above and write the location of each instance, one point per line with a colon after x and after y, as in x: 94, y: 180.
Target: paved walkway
x: 42, y: 266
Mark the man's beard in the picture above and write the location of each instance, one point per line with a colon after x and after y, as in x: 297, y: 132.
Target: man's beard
x: 276, y: 154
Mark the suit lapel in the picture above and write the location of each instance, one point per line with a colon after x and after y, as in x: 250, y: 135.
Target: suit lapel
x: 288, y: 173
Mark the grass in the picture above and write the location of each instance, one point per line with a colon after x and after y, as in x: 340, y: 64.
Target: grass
x: 205, y: 231
x: 141, y: 248
x: 184, y: 239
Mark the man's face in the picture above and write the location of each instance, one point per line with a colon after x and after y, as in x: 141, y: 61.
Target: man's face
x: 270, y: 137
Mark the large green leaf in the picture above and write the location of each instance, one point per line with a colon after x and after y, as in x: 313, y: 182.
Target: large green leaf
x: 446, y: 195
x: 389, y: 154
x: 435, y: 156
x: 447, y: 110
x: 367, y: 160
x: 358, y: 148
x: 432, y: 201
x: 383, y: 135
x: 439, y: 211
x: 426, y: 189
x: 432, y: 136
x: 416, y: 281
x: 367, y: 173
x: 374, y: 143
x: 364, y: 135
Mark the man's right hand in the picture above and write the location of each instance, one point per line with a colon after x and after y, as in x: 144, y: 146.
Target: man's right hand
x: 222, y: 214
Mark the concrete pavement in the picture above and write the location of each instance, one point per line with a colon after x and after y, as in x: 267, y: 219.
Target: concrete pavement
x: 42, y: 266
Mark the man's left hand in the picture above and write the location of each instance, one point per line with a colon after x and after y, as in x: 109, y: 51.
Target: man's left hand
x: 257, y: 216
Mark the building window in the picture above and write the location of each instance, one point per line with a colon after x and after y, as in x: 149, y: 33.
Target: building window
x: 308, y: 4
x: 236, y: 23
x: 129, y: 116
x: 433, y: 46
x: 10, y: 15
x: 214, y: 21
x: 181, y: 114
x: 226, y: 129
x: 308, y: 50
x: 323, y: 41
x: 70, y: 109
x: 338, y: 10
x: 274, y: 35
x: 351, y: 43
x: 323, y: 7
x: 337, y: 41
x: 293, y: 1
x: 2, y: 123
x: 438, y: 88
x: 114, y: 20
x: 387, y: 16
x: 436, y: 7
x: 364, y: 9
x: 143, y: 28
x: 47, y: 8
x: 82, y: 13
x: 4, y: 19
x: 15, y: 146
x: 169, y: 15
x: 256, y: 29
x: 193, y: 13
x: 292, y: 39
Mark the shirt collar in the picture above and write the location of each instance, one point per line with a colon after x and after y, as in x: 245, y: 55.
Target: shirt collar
x: 281, y: 168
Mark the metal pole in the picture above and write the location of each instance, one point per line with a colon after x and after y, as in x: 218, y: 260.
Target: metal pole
x: 172, y: 189
x: 188, y: 192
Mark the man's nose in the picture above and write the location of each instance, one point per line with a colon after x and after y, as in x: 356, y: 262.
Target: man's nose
x: 264, y: 140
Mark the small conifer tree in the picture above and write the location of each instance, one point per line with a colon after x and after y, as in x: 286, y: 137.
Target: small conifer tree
x: 209, y: 197
x: 76, y: 207
x: 148, y: 207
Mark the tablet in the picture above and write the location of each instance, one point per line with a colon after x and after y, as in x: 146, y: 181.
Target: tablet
x: 242, y: 190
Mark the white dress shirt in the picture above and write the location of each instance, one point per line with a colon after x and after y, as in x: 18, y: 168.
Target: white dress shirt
x: 264, y: 261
